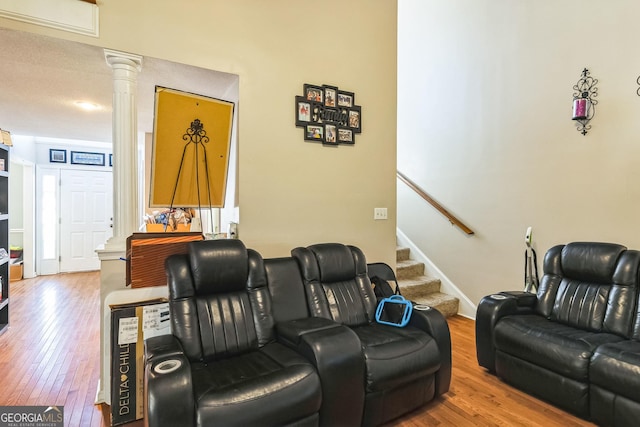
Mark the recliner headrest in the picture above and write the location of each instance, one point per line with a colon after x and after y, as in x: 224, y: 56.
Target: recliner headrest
x: 335, y: 262
x: 590, y: 261
x: 627, y: 269
x: 218, y: 266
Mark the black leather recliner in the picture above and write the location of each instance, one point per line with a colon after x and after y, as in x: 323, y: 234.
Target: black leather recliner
x: 227, y: 367
x: 575, y: 342
x: 404, y: 367
x: 333, y: 349
x: 615, y: 383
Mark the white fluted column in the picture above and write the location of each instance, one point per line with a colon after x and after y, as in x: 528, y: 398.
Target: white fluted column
x: 126, y: 215
x: 126, y: 211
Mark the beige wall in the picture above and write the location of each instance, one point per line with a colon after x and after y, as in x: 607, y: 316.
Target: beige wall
x: 290, y: 192
x: 485, y: 93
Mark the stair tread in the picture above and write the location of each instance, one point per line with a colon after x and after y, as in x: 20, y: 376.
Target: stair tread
x: 435, y: 297
x: 409, y: 269
x: 408, y: 263
x: 444, y: 303
x: 417, y: 281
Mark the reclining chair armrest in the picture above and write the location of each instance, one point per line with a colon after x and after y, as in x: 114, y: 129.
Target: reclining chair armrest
x: 524, y: 300
x: 290, y: 333
x: 490, y: 309
x: 162, y: 347
x: 335, y: 352
x: 168, y: 399
x: 434, y: 323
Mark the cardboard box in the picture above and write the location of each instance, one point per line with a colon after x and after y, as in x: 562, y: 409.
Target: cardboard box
x: 15, y: 272
x: 159, y: 228
x: 131, y: 324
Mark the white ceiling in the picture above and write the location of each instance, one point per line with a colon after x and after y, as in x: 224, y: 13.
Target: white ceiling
x: 41, y: 78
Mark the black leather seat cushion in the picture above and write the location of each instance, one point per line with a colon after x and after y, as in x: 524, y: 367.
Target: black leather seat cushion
x: 559, y: 348
x: 616, y: 367
x: 395, y: 356
x: 273, y: 381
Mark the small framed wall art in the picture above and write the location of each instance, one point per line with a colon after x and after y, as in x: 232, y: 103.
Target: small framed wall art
x: 328, y: 115
x: 84, y: 158
x: 57, y: 156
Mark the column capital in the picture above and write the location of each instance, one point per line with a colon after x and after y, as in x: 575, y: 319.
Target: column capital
x: 114, y: 57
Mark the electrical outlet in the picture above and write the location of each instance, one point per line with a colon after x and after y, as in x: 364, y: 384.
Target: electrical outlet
x: 379, y: 213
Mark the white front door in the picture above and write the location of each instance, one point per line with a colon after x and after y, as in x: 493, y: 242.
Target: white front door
x: 86, y: 217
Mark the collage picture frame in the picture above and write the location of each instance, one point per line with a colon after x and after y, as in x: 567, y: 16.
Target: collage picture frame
x: 328, y: 115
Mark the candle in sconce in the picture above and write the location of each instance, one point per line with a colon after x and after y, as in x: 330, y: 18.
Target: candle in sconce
x: 580, y: 108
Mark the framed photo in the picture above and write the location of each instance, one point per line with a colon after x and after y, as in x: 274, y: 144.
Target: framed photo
x: 345, y: 136
x: 303, y: 111
x: 57, y: 156
x: 330, y: 134
x: 354, y: 120
x: 315, y: 113
x: 330, y: 96
x: 345, y: 99
x: 314, y: 133
x: 84, y: 158
x: 313, y: 93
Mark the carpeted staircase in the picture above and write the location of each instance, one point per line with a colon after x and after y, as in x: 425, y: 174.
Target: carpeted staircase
x: 415, y: 286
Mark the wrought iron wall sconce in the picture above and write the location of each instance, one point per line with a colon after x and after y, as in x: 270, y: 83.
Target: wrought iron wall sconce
x: 583, y: 101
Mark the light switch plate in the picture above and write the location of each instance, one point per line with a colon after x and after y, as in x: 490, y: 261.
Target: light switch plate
x: 379, y: 213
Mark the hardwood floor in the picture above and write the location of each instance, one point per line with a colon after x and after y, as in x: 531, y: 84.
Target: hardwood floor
x: 50, y: 356
x: 50, y: 352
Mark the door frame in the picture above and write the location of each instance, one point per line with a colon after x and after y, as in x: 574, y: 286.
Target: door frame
x: 50, y: 265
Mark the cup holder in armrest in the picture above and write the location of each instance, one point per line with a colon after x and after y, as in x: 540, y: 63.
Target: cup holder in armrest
x: 498, y: 296
x: 167, y: 366
x: 421, y: 307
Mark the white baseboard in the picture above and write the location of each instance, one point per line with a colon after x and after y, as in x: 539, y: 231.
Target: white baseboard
x: 466, y: 308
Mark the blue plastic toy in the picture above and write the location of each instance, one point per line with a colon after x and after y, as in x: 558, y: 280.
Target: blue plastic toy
x: 395, y: 300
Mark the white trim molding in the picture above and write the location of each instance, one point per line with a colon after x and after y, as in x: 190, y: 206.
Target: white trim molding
x: 67, y: 15
x: 467, y: 308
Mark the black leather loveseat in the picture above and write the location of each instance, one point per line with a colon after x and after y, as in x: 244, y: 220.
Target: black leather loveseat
x: 286, y: 341
x: 576, y: 342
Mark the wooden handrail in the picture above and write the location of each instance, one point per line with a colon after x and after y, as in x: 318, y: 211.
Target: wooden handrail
x: 452, y: 219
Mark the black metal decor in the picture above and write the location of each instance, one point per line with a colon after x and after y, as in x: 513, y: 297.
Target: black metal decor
x: 584, y: 110
x: 195, y: 134
x: 638, y: 81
